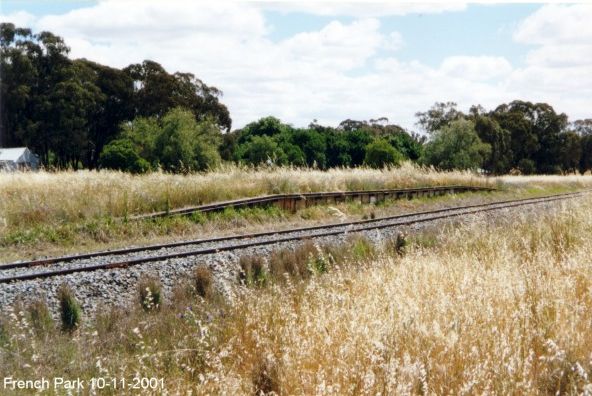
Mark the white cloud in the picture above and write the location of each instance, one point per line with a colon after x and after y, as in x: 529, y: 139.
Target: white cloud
x: 337, y: 46
x: 342, y: 70
x: 557, y: 24
x: 19, y: 18
x: 558, y: 67
x: 154, y: 20
x: 561, y: 55
x: 360, y: 9
x: 476, y: 67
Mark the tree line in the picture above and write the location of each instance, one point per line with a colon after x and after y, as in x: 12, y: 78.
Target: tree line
x: 81, y: 114
x: 68, y: 110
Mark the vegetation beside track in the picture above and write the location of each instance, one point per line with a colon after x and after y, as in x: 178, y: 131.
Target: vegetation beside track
x: 506, y: 311
x: 49, y: 214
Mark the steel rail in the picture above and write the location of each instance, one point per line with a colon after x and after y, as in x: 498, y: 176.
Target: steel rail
x: 472, y: 209
x: 69, y: 258
x: 83, y: 256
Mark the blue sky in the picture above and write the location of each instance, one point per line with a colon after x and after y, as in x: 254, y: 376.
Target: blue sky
x: 330, y: 61
x: 430, y: 38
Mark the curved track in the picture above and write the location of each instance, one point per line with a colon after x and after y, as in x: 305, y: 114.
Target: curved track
x: 57, y: 266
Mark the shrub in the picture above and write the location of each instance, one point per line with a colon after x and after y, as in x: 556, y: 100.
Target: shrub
x: 120, y: 154
x: 150, y: 291
x: 380, y: 154
x: 203, y: 281
x: 400, y: 244
x: 300, y: 263
x: 70, y: 310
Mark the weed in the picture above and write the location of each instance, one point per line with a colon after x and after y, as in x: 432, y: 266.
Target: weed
x: 399, y: 244
x: 361, y: 247
x: 40, y: 317
x: 198, y: 218
x: 253, y: 271
x: 70, y: 311
x: 150, y: 291
x: 108, y: 320
x: 4, y: 337
x: 203, y: 281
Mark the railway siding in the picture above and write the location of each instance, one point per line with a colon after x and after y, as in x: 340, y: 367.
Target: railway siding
x: 294, y: 202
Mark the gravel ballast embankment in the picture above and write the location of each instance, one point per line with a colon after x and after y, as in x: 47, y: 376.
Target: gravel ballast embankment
x: 118, y: 287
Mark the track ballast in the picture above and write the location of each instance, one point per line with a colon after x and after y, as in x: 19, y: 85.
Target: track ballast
x: 122, y: 258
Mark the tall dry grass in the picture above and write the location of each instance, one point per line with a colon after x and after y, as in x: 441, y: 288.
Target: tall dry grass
x: 501, y: 308
x: 29, y: 199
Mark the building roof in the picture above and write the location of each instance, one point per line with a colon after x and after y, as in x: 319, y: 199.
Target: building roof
x: 12, y: 154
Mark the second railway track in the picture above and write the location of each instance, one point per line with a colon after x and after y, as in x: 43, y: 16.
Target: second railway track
x: 122, y: 258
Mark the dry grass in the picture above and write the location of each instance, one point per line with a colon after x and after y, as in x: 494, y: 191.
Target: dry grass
x: 494, y: 309
x: 29, y: 199
x: 60, y: 213
x: 53, y: 214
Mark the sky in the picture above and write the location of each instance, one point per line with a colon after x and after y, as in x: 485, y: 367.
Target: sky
x: 332, y: 60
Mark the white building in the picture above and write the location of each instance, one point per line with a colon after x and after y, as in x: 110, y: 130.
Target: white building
x: 18, y: 158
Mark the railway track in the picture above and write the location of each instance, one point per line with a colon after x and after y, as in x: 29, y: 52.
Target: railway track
x: 122, y: 258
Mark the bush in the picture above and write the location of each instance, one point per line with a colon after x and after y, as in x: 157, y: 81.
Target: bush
x: 121, y: 155
x: 70, y: 311
x: 261, y: 150
x: 380, y: 154
x: 398, y: 245
x: 203, y: 281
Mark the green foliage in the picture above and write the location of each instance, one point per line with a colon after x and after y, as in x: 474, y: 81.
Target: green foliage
x: 70, y: 311
x: 361, y: 248
x: 67, y: 110
x: 176, y: 142
x: 586, y: 158
x: 456, y: 146
x: 438, y: 116
x: 526, y: 166
x: 380, y: 154
x: 570, y: 151
x: 184, y: 144
x: 260, y: 150
x: 489, y: 131
x: 409, y: 145
x: 121, y: 154
x: 535, y: 131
